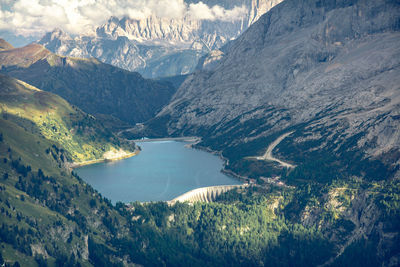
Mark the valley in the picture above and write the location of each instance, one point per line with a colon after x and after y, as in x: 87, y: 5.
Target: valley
x: 297, y: 102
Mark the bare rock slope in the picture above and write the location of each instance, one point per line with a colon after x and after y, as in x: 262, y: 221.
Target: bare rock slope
x: 327, y: 70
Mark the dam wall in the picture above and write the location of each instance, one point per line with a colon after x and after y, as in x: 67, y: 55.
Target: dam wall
x: 205, y: 194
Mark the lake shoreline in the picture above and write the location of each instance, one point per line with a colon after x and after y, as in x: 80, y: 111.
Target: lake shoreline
x: 191, y: 139
x: 74, y: 165
x: 193, y: 143
x: 170, y: 167
x: 224, y: 170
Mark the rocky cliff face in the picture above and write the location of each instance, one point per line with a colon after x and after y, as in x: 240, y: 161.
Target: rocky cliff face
x: 157, y: 47
x: 329, y: 70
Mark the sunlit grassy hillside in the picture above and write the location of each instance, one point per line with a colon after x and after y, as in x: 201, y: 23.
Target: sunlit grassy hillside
x: 80, y: 135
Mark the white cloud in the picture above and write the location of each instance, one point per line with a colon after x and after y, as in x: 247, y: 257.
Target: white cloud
x: 34, y: 17
x: 202, y: 11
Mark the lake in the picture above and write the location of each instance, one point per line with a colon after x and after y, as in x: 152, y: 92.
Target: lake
x: 162, y: 171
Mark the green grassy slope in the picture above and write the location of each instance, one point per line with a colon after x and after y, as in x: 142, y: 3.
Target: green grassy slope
x: 81, y: 136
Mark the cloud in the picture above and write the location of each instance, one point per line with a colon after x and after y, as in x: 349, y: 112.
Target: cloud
x: 203, y: 12
x: 34, y: 17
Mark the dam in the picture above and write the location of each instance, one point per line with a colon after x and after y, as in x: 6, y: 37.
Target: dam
x: 205, y: 194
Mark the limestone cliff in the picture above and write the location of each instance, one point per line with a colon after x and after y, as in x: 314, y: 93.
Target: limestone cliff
x: 157, y: 47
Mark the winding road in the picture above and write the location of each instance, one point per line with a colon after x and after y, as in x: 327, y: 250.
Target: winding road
x: 268, y: 154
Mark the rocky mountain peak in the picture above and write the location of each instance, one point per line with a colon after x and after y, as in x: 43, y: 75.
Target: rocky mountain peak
x: 56, y: 34
x: 259, y: 8
x: 153, y: 40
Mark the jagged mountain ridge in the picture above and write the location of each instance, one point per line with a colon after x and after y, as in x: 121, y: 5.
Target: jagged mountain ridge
x: 144, y: 45
x: 97, y: 88
x: 329, y: 71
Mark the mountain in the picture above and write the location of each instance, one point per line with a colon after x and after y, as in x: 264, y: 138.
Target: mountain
x: 157, y: 47
x: 318, y: 81
x: 51, y: 217
x: 97, y: 88
x: 48, y: 214
x: 328, y: 72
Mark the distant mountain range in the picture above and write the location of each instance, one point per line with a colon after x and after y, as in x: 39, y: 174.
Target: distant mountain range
x: 114, y: 94
x: 157, y: 47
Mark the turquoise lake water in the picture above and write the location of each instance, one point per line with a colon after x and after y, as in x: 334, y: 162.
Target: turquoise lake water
x: 161, y: 171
